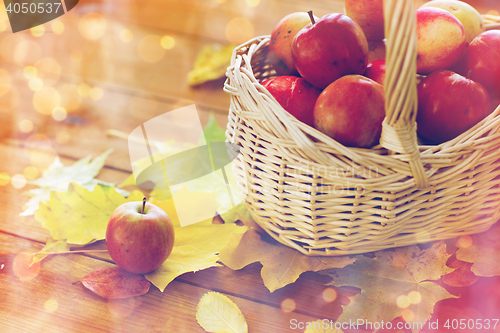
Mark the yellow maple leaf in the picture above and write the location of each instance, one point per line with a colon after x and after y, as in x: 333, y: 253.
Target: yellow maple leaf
x: 211, y: 64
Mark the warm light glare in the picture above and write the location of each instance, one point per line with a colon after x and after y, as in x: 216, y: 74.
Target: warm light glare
x: 4, y: 178
x: 3, y: 26
x: 25, y: 125
x: 35, y: 84
x: 30, y: 172
x: 5, y: 82
x: 288, y: 305
x: 403, y: 301
x: 62, y: 137
x: 92, y: 26
x: 464, y: 242
x: 239, y: 30
x: 46, y: 99
x: 96, y: 93
x: 26, y: 52
x: 59, y: 113
x: 76, y: 56
x: 329, y: 295
x: 70, y: 98
x: 150, y: 49
x: 253, y: 3
x: 407, y: 315
x: 57, y: 27
x: 51, y: 305
x: 38, y: 31
x: 48, y: 70
x: 126, y: 36
x: 18, y: 181
x: 84, y: 89
x: 40, y: 151
x: 167, y: 42
x: 493, y: 12
x: 30, y: 72
x: 23, y: 268
x: 414, y: 297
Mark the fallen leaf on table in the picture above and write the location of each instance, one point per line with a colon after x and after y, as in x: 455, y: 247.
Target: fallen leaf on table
x: 114, y: 282
x: 80, y: 216
x: 51, y: 245
x: 210, y: 64
x: 322, y: 326
x: 401, y: 275
x: 281, y: 265
x: 483, y: 250
x: 196, y: 247
x: 462, y: 276
x: 58, y: 177
x: 217, y: 313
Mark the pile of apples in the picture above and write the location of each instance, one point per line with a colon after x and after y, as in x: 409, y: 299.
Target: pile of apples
x: 324, y: 78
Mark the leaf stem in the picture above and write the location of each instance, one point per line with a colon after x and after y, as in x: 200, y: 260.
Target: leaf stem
x: 71, y: 252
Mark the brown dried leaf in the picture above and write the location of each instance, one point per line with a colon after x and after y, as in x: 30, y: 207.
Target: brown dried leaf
x: 462, y: 276
x: 114, y: 282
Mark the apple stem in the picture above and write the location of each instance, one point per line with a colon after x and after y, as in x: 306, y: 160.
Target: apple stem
x: 311, y: 16
x: 143, y: 204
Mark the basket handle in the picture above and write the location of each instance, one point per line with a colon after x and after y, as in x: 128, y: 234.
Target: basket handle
x: 399, y: 128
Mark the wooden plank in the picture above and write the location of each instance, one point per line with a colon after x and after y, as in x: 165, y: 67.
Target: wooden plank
x: 45, y: 299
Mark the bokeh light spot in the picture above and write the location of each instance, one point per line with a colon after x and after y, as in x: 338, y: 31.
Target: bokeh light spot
x: 40, y: 151
x: 84, y: 89
x: 407, y: 315
x: 57, y: 27
x: 96, y: 93
x: 4, y: 178
x: 46, y: 99
x: 25, y: 125
x: 22, y: 268
x: 167, y: 42
x: 59, y: 113
x: 5, y: 82
x: 239, y: 30
x: 48, y: 70
x: 403, y: 301
x: 62, y: 137
x: 35, y: 84
x: 329, y: 295
x: 30, y: 172
x: 288, y: 305
x: 70, y: 98
x: 252, y: 3
x: 126, y: 36
x: 414, y: 297
x: 25, y: 52
x: 3, y: 26
x: 493, y: 12
x: 30, y: 72
x: 51, y: 305
x: 92, y: 26
x: 150, y: 49
x: 18, y: 181
x: 38, y: 31
x: 464, y: 242
x: 76, y: 56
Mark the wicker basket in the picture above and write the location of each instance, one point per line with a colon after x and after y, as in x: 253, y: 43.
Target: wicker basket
x: 312, y: 193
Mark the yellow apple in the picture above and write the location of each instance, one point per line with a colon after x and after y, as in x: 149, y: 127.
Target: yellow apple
x: 465, y: 13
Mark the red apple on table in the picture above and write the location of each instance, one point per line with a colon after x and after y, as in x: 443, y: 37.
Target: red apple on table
x: 329, y: 48
x: 449, y: 104
x: 440, y: 38
x: 139, y: 236
x: 376, y: 71
x: 295, y: 95
x: 369, y: 14
x: 351, y: 111
x: 482, y: 61
x: 282, y: 36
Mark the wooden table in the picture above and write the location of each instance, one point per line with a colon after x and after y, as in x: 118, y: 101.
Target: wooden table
x: 113, y: 75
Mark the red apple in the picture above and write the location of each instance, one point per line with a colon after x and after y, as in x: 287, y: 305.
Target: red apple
x: 376, y: 71
x: 440, y: 39
x: 369, y: 14
x: 295, y: 95
x: 282, y: 37
x: 482, y: 61
x: 449, y: 104
x: 351, y: 111
x: 139, y: 236
x: 332, y: 47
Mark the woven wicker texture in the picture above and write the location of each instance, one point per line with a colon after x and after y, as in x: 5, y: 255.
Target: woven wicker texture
x: 322, y: 198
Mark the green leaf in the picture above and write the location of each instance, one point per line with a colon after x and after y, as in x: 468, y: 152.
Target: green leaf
x: 392, y: 274
x: 212, y: 131
x: 58, y: 177
x: 80, y: 216
x: 196, y: 247
x: 217, y: 313
x: 483, y: 250
x: 281, y: 265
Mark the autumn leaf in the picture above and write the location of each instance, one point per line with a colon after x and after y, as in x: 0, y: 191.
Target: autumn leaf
x: 51, y: 245
x: 483, y: 250
x: 462, y: 276
x: 394, y: 280
x: 196, y: 247
x: 281, y: 265
x: 80, y: 216
x: 210, y: 64
x: 58, y: 177
x: 322, y: 326
x: 217, y: 313
x: 114, y: 282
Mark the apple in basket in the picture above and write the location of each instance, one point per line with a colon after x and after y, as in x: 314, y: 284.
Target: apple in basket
x: 280, y: 44
x: 470, y: 18
x: 448, y: 105
x: 295, y: 95
x: 139, y: 236
x: 331, y: 47
x: 369, y: 14
x: 351, y: 111
x: 376, y: 71
x: 440, y: 39
x: 482, y: 61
